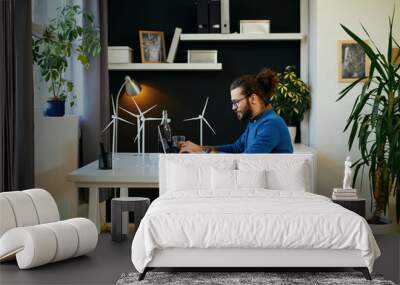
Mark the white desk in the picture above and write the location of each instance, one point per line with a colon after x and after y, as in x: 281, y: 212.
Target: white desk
x: 130, y: 170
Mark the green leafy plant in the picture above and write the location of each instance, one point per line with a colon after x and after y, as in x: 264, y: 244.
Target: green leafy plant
x: 62, y: 38
x: 375, y: 123
x: 292, y: 99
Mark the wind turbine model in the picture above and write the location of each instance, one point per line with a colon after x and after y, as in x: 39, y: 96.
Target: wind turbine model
x: 141, y: 123
x: 201, y: 118
x: 114, y: 119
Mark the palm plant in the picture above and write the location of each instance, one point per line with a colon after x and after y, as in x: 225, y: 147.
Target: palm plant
x: 375, y: 123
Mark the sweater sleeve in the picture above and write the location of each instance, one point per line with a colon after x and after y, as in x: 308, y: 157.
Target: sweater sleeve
x: 267, y: 138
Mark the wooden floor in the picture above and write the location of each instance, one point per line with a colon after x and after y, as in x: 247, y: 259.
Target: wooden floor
x: 102, y: 266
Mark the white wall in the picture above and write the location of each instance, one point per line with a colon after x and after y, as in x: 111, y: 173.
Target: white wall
x: 327, y: 117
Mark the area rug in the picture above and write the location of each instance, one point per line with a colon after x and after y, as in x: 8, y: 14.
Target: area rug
x: 244, y: 278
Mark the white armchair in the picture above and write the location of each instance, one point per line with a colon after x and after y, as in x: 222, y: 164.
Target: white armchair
x: 31, y: 230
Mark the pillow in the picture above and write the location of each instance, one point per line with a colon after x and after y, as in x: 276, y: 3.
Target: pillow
x: 251, y: 178
x: 236, y: 179
x: 194, y: 175
x: 223, y: 179
x: 290, y: 174
x: 290, y: 179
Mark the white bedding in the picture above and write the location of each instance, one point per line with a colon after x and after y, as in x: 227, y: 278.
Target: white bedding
x: 251, y: 218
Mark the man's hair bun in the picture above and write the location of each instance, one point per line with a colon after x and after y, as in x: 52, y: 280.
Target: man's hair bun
x: 268, y: 80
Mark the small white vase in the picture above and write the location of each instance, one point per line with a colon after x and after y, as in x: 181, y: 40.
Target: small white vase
x: 292, y: 132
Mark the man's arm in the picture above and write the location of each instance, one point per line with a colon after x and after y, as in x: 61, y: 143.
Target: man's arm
x: 266, y: 140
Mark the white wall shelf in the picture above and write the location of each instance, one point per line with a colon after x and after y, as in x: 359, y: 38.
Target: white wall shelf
x: 165, y: 66
x: 243, y: 37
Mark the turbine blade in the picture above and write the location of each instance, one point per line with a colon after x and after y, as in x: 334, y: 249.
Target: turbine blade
x: 138, y: 134
x: 192, y: 119
x: 137, y: 107
x: 130, y: 113
x: 208, y: 124
x: 113, y: 104
x: 123, y: 120
x: 109, y: 124
x: 149, y: 109
x: 205, y: 106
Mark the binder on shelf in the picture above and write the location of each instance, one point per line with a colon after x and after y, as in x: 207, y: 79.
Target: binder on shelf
x: 214, y: 16
x: 225, y: 23
x: 174, y: 45
x: 202, y: 16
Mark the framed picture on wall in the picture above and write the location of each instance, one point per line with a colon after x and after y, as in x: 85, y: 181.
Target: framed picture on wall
x: 353, y: 62
x: 152, y: 46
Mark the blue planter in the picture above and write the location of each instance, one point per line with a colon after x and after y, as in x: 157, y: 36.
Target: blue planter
x: 56, y: 108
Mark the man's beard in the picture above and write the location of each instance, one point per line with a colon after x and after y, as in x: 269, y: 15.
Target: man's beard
x: 245, y: 114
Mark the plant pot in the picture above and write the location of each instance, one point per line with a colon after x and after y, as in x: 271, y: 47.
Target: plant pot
x: 292, y: 132
x: 56, y: 107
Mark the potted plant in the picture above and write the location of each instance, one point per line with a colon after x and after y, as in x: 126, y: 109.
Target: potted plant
x: 292, y: 99
x: 62, y: 38
x: 374, y: 123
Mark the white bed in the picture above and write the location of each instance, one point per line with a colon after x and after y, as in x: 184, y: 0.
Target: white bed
x: 215, y: 211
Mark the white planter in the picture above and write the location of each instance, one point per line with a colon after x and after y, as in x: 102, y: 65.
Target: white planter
x: 292, y: 132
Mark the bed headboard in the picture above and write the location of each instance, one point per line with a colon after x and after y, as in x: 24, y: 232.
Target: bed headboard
x: 267, y: 159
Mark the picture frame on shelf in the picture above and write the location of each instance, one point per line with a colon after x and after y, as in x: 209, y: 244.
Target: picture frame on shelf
x: 152, y: 46
x: 353, y: 63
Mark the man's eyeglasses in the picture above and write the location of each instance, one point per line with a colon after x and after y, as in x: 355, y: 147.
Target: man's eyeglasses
x: 235, y: 103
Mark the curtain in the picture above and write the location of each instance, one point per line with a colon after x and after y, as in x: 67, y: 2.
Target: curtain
x: 96, y: 98
x: 16, y: 96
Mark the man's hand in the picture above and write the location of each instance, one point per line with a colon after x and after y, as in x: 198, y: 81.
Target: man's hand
x: 189, y: 147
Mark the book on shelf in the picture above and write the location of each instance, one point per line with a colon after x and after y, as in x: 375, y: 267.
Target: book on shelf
x: 344, y: 196
x: 174, y: 45
x: 341, y: 190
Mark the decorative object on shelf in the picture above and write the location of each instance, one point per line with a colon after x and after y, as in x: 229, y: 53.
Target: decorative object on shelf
x: 132, y: 88
x: 61, y: 38
x: 352, y: 60
x: 174, y: 45
x: 152, y: 46
x: 120, y: 54
x: 396, y: 56
x: 292, y: 99
x: 202, y: 56
x: 348, y: 174
x: 225, y: 17
x: 255, y: 26
x: 346, y: 192
x: 141, y: 124
x: 201, y: 118
x: 376, y: 128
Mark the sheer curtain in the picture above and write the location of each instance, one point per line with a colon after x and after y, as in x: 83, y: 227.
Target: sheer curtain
x: 16, y: 96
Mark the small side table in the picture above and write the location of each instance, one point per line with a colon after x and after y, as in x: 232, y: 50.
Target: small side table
x: 357, y: 206
x: 138, y: 205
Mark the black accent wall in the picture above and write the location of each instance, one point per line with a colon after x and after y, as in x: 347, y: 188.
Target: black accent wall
x: 183, y: 93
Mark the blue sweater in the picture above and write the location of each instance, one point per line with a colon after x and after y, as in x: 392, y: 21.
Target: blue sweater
x: 267, y: 133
